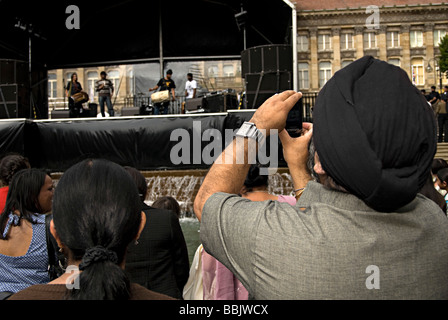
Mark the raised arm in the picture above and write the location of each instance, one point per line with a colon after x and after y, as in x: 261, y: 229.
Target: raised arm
x: 228, y: 176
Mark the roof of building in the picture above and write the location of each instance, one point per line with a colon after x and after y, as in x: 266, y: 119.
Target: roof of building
x: 304, y: 5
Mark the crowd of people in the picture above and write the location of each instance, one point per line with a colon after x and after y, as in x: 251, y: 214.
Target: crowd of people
x: 367, y: 193
x: 438, y: 102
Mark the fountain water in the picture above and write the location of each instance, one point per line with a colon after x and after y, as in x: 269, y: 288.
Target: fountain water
x: 184, y: 185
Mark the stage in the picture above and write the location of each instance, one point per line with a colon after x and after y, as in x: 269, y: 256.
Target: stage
x: 143, y: 142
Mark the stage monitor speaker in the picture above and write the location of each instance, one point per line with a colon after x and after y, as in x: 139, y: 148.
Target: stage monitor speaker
x: 60, y: 114
x: 13, y: 71
x: 268, y: 58
x: 130, y: 111
x: 194, y: 104
x: 262, y: 86
x: 16, y: 99
x: 220, y: 102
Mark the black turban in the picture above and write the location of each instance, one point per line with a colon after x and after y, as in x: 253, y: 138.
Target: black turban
x: 375, y: 134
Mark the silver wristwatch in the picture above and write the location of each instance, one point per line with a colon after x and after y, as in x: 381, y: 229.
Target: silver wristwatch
x: 249, y: 130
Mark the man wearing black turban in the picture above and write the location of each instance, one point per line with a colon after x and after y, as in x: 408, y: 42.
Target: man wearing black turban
x: 363, y: 232
x: 376, y: 144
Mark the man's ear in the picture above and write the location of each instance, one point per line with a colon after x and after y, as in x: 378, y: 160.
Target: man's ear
x: 55, y: 234
x: 318, y: 166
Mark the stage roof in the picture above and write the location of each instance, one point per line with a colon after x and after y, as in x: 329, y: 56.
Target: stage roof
x: 115, y: 32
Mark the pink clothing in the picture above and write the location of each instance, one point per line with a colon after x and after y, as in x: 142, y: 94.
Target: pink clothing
x: 289, y: 199
x: 218, y: 282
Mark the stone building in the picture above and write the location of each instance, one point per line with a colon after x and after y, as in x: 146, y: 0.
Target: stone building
x: 333, y: 33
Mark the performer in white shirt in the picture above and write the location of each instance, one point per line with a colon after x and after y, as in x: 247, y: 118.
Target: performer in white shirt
x: 190, y: 87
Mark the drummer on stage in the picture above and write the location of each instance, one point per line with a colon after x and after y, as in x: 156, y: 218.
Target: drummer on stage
x: 73, y: 87
x: 166, y: 83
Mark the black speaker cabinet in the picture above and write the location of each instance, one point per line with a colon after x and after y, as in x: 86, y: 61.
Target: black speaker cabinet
x: 268, y: 58
x: 220, y: 102
x: 261, y: 86
x: 130, y: 111
x: 93, y: 110
x: 194, y: 104
x: 13, y: 71
x: 14, y: 101
x: 60, y: 114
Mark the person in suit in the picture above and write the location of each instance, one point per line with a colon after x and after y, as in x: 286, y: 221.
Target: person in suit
x: 160, y: 260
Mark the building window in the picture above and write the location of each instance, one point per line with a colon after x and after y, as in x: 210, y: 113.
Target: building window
x: 92, y: 77
x: 370, y: 40
x: 228, y: 70
x: 438, y: 36
x: 393, y: 39
x: 418, y: 76
x: 212, y: 71
x: 324, y: 73
x: 114, y: 76
x: 345, y: 63
x: 324, y: 42
x: 304, y: 80
x: 52, y: 85
x: 302, y: 43
x: 347, y: 41
x: 395, y: 62
x: 416, y: 38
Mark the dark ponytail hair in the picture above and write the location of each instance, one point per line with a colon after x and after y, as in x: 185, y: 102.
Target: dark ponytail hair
x: 255, y: 179
x: 97, y: 213
x: 10, y: 165
x: 23, y: 196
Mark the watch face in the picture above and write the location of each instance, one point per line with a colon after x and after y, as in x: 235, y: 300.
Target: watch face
x: 245, y: 128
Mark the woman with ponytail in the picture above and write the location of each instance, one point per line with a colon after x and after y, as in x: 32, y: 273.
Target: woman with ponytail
x: 96, y: 216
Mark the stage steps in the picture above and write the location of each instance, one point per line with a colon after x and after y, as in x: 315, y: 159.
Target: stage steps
x: 442, y: 150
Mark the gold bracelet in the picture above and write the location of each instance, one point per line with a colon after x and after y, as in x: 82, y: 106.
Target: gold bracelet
x: 299, y: 193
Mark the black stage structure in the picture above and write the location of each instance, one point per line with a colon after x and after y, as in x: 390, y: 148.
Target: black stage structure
x: 123, y: 32
x: 144, y: 142
x: 119, y: 32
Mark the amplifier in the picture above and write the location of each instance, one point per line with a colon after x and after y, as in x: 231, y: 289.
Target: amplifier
x: 194, y: 104
x: 130, y: 111
x: 220, y: 102
x: 60, y: 114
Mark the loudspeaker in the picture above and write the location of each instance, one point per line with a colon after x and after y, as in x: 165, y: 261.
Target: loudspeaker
x: 220, y: 102
x: 269, y: 58
x: 16, y: 99
x: 261, y: 86
x: 60, y: 114
x: 93, y: 107
x: 194, y: 104
x: 13, y: 71
x: 130, y: 111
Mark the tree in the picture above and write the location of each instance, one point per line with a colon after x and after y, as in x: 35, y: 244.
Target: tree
x: 443, y: 47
